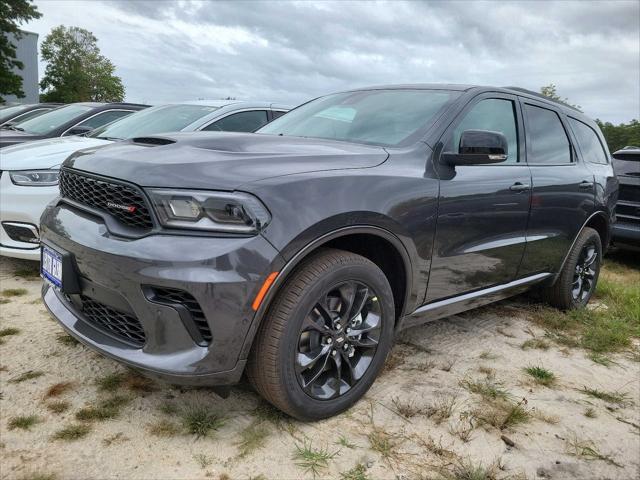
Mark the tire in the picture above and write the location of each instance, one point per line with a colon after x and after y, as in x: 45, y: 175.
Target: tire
x: 562, y: 293
x: 275, y: 367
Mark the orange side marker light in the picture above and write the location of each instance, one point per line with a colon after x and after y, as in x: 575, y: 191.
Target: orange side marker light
x: 263, y: 290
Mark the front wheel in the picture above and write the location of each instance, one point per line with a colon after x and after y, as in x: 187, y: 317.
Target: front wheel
x: 579, y: 276
x: 325, y: 337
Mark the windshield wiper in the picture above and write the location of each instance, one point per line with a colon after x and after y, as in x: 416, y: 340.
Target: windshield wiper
x: 112, y: 139
x: 13, y: 127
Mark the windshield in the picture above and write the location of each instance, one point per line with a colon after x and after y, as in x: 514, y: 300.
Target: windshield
x: 45, y: 123
x: 166, y: 118
x: 8, y: 112
x: 379, y: 117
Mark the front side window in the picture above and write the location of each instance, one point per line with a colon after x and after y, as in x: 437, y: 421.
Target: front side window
x: 378, y: 117
x: 104, y: 118
x: 547, y: 140
x: 154, y: 120
x: 240, y: 122
x: 495, y: 115
x: 590, y: 146
x: 47, y: 122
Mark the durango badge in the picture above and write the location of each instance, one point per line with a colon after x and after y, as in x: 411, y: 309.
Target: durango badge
x: 128, y: 208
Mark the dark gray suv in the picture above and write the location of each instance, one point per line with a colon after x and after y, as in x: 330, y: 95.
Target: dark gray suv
x: 296, y: 254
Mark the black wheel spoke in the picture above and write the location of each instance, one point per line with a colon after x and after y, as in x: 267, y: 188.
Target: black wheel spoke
x: 585, y: 273
x: 338, y: 340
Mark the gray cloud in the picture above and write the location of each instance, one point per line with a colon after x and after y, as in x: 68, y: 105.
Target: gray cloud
x: 293, y: 51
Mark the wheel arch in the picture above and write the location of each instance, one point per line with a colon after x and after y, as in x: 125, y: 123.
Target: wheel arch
x: 353, y: 239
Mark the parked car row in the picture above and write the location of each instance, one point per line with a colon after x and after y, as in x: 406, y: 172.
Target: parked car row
x: 31, y: 169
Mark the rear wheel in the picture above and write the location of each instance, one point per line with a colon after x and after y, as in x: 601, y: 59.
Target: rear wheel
x: 325, y: 337
x: 577, y: 281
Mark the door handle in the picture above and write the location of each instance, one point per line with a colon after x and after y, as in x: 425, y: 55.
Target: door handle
x: 584, y: 184
x: 519, y: 187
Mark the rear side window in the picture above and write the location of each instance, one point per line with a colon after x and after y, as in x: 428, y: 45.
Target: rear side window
x: 495, y: 115
x: 590, y: 146
x: 240, y: 122
x: 277, y: 113
x: 104, y: 118
x: 547, y: 140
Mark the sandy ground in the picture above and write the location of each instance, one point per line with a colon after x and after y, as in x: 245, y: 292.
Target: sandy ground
x: 426, y: 369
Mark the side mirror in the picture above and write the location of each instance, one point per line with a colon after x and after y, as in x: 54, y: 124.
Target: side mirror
x: 79, y: 130
x: 479, y: 147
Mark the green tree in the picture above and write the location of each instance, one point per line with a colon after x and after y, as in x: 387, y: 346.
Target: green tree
x: 12, y: 14
x: 550, y: 92
x: 619, y: 136
x: 76, y: 71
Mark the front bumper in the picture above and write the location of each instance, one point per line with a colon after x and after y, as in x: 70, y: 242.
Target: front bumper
x: 222, y: 274
x: 21, y: 205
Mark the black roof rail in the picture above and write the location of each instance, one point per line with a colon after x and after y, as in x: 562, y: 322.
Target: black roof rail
x: 541, y: 96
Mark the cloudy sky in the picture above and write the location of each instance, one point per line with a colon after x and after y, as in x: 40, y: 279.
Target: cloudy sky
x: 292, y: 51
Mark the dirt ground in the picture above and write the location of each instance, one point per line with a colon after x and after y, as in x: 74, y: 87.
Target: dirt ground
x: 430, y: 415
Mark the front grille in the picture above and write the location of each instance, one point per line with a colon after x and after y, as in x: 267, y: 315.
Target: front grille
x: 629, y: 193
x: 123, y: 202
x: 173, y: 296
x: 121, y: 325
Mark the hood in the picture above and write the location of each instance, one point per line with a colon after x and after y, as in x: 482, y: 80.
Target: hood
x: 47, y: 153
x: 224, y: 161
x: 11, y: 137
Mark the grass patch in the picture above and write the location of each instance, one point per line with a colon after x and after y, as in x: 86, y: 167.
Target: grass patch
x: 537, y: 343
x: 203, y: 460
x: 590, y: 412
x: 105, y: 410
x: 66, y: 339
x: 344, y: 442
x: 467, y: 470
x: 30, y: 375
x: 24, y: 422
x: 4, y: 301
x: 58, y: 389
x: 487, y: 388
x: 110, y: 382
x: 408, y: 408
x: 503, y: 414
x: 200, y: 420
x: 253, y: 438
x: 14, y: 292
x: 169, y: 408
x: 600, y: 330
x: 487, y: 355
x: 5, y: 332
x: 58, y: 407
x: 312, y: 459
x: 617, y: 398
x: 442, y: 408
x: 359, y: 472
x: 72, y: 432
x: 267, y: 412
x: 601, y: 359
x: 384, y: 443
x: 164, y: 428
x: 587, y: 449
x: 29, y: 273
x: 541, y: 375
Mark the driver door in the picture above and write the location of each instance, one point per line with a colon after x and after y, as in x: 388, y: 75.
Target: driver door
x: 482, y: 209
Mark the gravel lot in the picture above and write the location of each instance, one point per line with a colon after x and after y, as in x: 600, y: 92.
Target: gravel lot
x: 454, y: 398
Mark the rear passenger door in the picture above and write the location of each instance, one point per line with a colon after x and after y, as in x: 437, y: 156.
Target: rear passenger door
x: 562, y: 188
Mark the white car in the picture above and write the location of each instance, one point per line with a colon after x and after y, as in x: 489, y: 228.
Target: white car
x: 29, y: 171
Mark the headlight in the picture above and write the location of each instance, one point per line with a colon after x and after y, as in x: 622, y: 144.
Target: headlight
x: 213, y: 211
x: 35, y: 178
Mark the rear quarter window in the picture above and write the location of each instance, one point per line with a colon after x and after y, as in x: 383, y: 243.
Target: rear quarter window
x: 547, y: 140
x: 589, y: 142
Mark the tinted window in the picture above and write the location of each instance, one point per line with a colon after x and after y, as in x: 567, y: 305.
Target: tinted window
x: 30, y: 114
x: 495, y: 115
x: 240, y: 122
x: 104, y: 118
x: 379, y: 117
x: 161, y: 119
x: 7, y: 112
x: 548, y: 142
x: 590, y: 146
x: 277, y: 114
x: 45, y: 123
